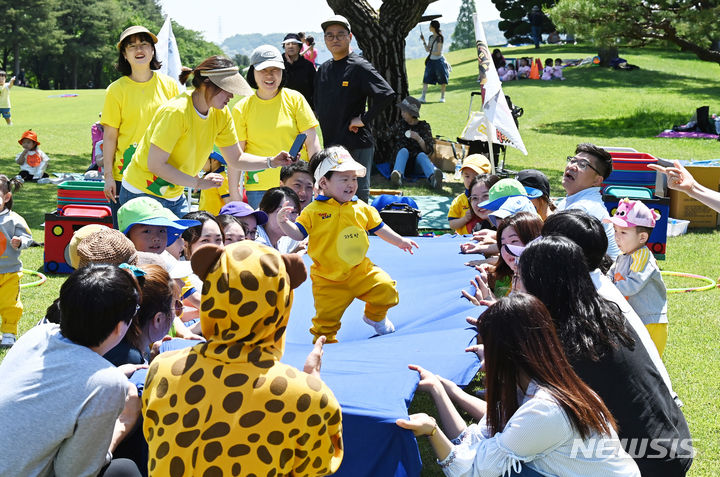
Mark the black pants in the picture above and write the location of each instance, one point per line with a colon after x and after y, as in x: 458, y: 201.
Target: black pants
x: 29, y: 177
x: 120, y: 468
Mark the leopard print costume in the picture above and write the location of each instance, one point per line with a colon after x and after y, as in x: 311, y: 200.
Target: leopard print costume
x: 229, y: 406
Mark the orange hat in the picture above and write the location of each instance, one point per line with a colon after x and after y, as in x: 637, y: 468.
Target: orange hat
x: 29, y: 134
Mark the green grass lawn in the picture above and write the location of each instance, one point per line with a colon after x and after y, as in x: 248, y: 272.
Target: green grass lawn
x: 603, y: 106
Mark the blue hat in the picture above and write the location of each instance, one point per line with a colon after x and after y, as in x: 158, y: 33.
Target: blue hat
x: 511, y: 206
x: 148, y: 211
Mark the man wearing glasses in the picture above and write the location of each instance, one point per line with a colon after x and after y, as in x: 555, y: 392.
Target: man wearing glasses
x: 584, y: 173
x: 342, y: 87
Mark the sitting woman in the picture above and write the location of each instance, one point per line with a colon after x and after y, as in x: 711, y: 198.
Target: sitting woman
x: 413, y: 142
x: 500, y: 279
x: 538, y: 410
x: 607, y: 354
x: 270, y: 233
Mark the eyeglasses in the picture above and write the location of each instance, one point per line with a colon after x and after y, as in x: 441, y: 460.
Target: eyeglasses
x: 581, y: 163
x: 339, y: 36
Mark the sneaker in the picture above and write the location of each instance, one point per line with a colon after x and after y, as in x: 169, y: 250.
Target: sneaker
x: 20, y: 179
x: 8, y: 340
x: 383, y: 327
x: 422, y: 99
x: 442, y: 100
x: 436, y: 179
x: 396, y: 178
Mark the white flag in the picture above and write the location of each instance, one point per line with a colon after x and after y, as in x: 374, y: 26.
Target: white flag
x: 167, y: 53
x: 495, y: 106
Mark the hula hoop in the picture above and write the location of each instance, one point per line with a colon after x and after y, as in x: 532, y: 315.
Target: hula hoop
x: 709, y: 286
x: 41, y: 279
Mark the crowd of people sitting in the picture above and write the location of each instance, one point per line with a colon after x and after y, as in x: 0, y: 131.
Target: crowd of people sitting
x: 570, y: 333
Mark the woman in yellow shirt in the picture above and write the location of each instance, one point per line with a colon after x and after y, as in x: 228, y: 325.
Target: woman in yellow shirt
x: 130, y: 103
x: 269, y: 120
x: 181, y: 135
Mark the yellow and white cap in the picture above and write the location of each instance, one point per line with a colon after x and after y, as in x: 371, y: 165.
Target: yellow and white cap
x: 339, y: 159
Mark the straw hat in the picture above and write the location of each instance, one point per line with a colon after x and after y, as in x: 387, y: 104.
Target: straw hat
x: 228, y: 79
x: 108, y: 246
x: 134, y: 30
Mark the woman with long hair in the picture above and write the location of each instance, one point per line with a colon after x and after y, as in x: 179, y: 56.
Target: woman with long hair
x: 181, y: 135
x: 130, y: 103
x: 538, y: 410
x: 435, y: 70
x: 607, y: 354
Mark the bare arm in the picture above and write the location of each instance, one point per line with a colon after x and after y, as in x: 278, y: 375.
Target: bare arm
x: 158, y: 164
x: 474, y: 406
x: 680, y: 179
x: 461, y: 222
x: 312, y: 142
x: 110, y: 136
x: 11, y: 82
x: 234, y: 171
x: 390, y: 236
x: 127, y: 419
x: 288, y: 228
x: 452, y: 422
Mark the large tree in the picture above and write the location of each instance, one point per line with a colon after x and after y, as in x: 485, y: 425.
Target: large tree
x: 464, y: 34
x: 690, y: 24
x: 381, y: 36
x: 514, y: 23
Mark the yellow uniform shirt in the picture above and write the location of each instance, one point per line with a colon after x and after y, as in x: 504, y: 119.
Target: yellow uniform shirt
x: 5, y: 96
x: 338, y: 235
x: 129, y: 108
x: 270, y: 126
x: 177, y: 128
x: 211, y: 200
x: 459, y: 207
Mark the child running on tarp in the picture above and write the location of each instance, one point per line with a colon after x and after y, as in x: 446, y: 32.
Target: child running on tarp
x: 14, y: 236
x: 32, y: 160
x: 635, y: 271
x: 337, y: 224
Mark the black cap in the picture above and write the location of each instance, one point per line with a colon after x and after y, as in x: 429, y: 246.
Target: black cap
x: 536, y: 179
x: 292, y: 38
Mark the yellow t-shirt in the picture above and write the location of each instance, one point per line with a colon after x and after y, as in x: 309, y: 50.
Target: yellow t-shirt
x: 338, y: 235
x: 270, y: 126
x: 211, y: 200
x: 177, y: 128
x: 129, y: 108
x: 459, y: 208
x: 5, y: 96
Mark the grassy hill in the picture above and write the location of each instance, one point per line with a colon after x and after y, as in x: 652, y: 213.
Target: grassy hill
x: 607, y: 107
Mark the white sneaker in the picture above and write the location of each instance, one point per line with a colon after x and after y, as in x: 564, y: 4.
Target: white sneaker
x: 396, y: 178
x: 442, y: 100
x: 383, y: 327
x: 8, y: 340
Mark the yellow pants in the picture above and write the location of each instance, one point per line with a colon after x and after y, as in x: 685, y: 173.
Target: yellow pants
x: 367, y: 282
x: 659, y: 334
x: 10, y: 306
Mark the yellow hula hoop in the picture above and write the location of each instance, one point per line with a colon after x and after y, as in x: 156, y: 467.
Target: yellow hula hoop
x: 710, y: 283
x: 41, y: 279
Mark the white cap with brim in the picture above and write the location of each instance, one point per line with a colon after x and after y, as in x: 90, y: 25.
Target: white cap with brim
x: 336, y: 20
x: 228, y: 79
x: 266, y: 56
x: 339, y: 160
x: 511, y: 206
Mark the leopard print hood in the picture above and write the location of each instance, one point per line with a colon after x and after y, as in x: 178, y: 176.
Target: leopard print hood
x: 247, y: 295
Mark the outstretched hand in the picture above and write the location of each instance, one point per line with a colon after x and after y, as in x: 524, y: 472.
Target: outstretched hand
x: 283, y: 215
x: 483, y: 296
x: 678, y: 177
x: 407, y: 245
x: 313, y: 362
x: 428, y: 380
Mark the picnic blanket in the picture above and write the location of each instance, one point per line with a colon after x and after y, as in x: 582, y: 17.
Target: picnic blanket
x: 687, y: 134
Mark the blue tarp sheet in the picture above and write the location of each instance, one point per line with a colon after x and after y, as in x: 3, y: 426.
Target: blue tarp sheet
x: 369, y: 375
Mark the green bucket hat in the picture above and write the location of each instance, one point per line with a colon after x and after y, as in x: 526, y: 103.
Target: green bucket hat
x: 505, y: 188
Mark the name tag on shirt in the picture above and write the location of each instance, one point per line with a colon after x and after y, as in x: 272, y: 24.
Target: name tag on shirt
x: 345, y: 83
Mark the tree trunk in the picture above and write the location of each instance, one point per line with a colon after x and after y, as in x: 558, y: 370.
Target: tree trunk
x: 381, y: 37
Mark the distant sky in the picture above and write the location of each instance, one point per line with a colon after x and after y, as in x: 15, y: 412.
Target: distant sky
x: 219, y: 19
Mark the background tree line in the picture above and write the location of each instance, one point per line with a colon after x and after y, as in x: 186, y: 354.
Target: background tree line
x: 69, y: 44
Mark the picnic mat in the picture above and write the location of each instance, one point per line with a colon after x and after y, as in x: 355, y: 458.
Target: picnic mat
x: 687, y: 134
x: 434, y: 210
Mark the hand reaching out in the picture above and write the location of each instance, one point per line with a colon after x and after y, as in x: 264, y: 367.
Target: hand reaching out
x: 407, y: 245
x: 483, y: 296
x: 313, y: 362
x: 283, y: 215
x: 678, y: 177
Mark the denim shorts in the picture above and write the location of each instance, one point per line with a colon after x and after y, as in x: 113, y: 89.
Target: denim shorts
x: 5, y: 112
